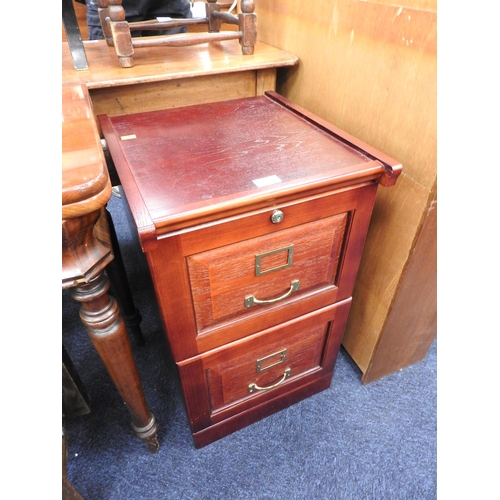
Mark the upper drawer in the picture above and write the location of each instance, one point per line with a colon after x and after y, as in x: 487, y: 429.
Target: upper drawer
x: 222, y: 281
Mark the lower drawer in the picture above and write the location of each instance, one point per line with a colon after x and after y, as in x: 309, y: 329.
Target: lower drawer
x: 222, y: 383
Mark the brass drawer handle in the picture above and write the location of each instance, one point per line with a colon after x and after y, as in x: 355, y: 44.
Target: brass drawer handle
x: 255, y: 387
x: 251, y: 300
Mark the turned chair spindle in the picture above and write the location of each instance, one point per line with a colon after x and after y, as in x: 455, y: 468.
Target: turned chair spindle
x: 118, y: 32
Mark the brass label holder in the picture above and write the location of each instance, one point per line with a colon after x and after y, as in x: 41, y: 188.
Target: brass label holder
x: 258, y: 260
x: 261, y: 366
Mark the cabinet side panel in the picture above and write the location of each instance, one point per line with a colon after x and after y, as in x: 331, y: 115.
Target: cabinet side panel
x: 172, y: 292
x: 195, y: 394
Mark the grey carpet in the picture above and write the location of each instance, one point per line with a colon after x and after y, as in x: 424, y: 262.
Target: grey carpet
x: 375, y: 442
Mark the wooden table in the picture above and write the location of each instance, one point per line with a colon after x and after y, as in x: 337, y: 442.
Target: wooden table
x: 165, y: 77
x: 87, y: 250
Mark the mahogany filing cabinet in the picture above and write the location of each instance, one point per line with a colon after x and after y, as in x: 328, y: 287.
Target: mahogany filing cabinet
x: 252, y: 214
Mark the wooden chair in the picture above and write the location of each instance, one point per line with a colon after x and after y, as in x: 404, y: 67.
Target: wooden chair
x: 117, y: 31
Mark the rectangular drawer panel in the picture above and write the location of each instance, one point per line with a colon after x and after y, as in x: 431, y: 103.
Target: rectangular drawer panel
x: 229, y: 282
x: 284, y: 358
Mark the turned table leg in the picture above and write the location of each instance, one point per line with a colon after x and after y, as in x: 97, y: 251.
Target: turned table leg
x: 100, y: 314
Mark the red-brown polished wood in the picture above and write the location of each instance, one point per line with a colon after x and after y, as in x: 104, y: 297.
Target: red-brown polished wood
x: 87, y: 250
x: 85, y: 191
x: 100, y: 314
x: 219, y: 139
x: 222, y: 196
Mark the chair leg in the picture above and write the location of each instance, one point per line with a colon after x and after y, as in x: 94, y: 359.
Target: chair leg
x: 121, y: 287
x: 75, y: 399
x: 213, y: 22
x: 247, y: 21
x: 122, y: 40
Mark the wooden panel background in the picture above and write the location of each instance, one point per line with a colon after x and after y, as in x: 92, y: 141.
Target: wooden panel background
x: 153, y: 96
x: 369, y: 67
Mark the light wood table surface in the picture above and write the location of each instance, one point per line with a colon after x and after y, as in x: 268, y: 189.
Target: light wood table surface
x: 164, y: 77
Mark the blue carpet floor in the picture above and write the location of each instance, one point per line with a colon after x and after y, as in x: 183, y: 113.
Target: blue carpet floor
x: 375, y: 442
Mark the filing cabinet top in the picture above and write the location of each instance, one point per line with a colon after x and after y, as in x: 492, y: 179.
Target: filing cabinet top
x: 201, y: 162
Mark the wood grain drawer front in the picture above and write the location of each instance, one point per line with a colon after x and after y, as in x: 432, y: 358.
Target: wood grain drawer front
x: 232, y: 281
x: 232, y: 379
x: 283, y: 359
x: 203, y: 276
